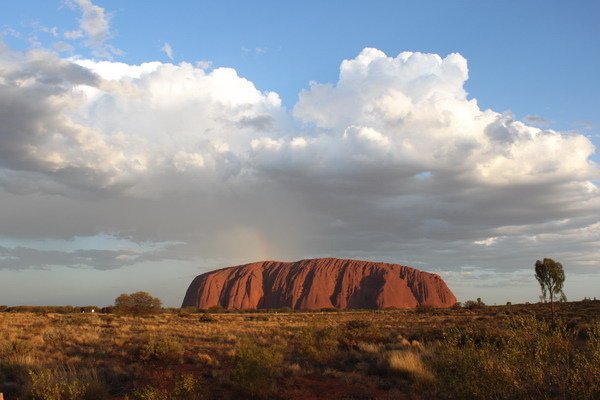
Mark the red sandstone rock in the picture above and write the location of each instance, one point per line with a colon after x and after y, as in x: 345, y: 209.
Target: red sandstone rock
x: 318, y: 283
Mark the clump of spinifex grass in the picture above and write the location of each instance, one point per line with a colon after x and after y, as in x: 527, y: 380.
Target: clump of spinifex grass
x: 409, y: 364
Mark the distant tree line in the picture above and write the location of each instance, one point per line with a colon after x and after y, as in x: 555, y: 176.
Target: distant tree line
x: 55, y: 309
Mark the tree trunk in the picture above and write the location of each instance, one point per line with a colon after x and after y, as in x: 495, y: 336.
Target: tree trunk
x: 552, y: 305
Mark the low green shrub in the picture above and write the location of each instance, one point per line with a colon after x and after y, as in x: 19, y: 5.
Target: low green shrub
x: 356, y: 324
x: 319, y: 346
x: 187, y: 387
x: 256, y: 318
x: 184, y: 310
x: 150, y: 393
x: 424, y: 309
x: 256, y: 369
x: 65, y: 384
x: 207, y: 318
x: 360, y: 330
x: 183, y: 387
x: 164, y: 349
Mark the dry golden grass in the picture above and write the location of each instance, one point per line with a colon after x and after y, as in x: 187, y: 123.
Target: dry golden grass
x: 330, y: 355
x: 409, y: 363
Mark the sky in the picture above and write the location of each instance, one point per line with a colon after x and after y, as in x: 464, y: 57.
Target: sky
x: 143, y: 145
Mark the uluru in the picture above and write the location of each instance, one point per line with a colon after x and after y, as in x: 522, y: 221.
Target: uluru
x: 319, y: 283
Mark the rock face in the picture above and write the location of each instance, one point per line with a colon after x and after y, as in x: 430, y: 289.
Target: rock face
x: 318, y: 283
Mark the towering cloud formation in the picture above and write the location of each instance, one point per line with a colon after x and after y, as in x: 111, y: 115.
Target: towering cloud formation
x: 412, y: 111
x: 393, y: 162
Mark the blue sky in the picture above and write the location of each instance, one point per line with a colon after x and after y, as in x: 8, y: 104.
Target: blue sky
x: 529, y: 62
x: 528, y: 57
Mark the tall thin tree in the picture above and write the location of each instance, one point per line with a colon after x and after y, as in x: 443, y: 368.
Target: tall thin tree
x: 551, y: 276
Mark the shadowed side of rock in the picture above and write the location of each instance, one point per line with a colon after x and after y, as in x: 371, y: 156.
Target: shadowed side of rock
x: 318, y: 283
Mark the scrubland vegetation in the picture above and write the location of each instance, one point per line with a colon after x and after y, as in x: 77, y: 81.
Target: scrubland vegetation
x: 503, y: 352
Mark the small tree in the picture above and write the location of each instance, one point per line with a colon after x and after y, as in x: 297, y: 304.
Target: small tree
x: 551, y: 276
x: 472, y: 304
x: 138, y: 303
